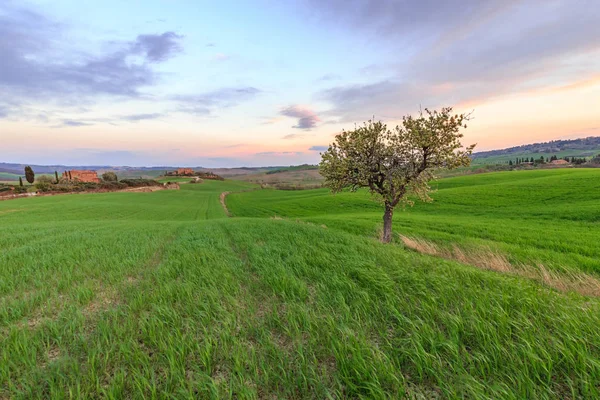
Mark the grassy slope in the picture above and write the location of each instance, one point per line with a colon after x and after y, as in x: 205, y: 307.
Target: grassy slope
x: 13, y: 179
x: 547, y: 216
x: 504, y: 158
x: 7, y: 176
x: 158, y: 294
x: 297, y: 177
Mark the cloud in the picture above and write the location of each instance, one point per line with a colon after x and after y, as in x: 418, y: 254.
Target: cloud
x: 295, y: 136
x: 206, y: 103
x: 328, y: 77
x: 38, y: 63
x: 140, y: 117
x: 109, y: 120
x: 72, y: 123
x: 158, y: 48
x: 318, y: 148
x: 439, y: 57
x: 307, y: 119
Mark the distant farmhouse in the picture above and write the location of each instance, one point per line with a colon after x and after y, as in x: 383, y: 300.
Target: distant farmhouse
x: 181, y: 172
x: 185, y: 171
x: 81, y: 175
x: 559, y: 162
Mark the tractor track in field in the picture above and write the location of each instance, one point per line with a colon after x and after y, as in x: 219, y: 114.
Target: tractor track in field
x: 223, y: 196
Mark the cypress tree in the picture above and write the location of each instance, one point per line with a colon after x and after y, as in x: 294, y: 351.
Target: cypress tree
x: 29, y: 174
x: 56, y: 175
x: 20, y: 181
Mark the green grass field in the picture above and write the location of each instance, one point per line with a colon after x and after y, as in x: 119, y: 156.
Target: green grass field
x: 13, y: 179
x: 9, y: 178
x: 550, y: 217
x: 160, y: 295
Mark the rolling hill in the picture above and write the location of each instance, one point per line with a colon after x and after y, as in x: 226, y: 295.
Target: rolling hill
x: 130, y: 295
x: 585, y: 147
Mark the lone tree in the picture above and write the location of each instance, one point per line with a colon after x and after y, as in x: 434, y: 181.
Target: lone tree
x: 29, y: 174
x: 109, y: 177
x: 395, y: 164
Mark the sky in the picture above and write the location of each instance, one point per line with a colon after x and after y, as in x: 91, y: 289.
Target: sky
x: 270, y: 82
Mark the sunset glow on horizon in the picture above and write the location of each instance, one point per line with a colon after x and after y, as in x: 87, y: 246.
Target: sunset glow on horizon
x: 191, y: 83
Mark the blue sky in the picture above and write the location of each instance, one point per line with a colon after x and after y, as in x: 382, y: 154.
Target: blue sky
x: 253, y: 83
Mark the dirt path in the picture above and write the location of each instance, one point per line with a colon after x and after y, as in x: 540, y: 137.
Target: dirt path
x: 222, y: 199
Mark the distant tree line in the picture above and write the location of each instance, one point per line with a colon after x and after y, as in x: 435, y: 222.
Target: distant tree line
x: 545, y: 160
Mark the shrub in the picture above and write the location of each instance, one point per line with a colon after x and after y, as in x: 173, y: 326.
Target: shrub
x: 210, y: 175
x: 20, y: 189
x: 109, y: 177
x: 63, y: 187
x: 44, y: 183
x: 140, y: 182
x: 112, y: 185
x: 88, y: 185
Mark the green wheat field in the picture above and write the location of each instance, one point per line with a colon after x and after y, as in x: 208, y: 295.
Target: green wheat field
x: 162, y: 295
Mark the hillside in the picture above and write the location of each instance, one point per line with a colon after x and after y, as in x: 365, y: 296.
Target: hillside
x: 130, y: 295
x: 547, y: 217
x: 585, y: 147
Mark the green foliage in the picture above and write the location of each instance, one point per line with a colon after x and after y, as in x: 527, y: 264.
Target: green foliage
x: 209, y: 175
x: 112, y: 185
x: 394, y: 164
x: 43, y: 183
x: 140, y: 182
x: 20, y: 189
x: 57, y: 180
x: 20, y: 181
x: 109, y: 177
x: 29, y: 174
x: 126, y: 286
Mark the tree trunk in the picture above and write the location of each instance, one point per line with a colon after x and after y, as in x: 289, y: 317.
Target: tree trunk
x: 387, y: 224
